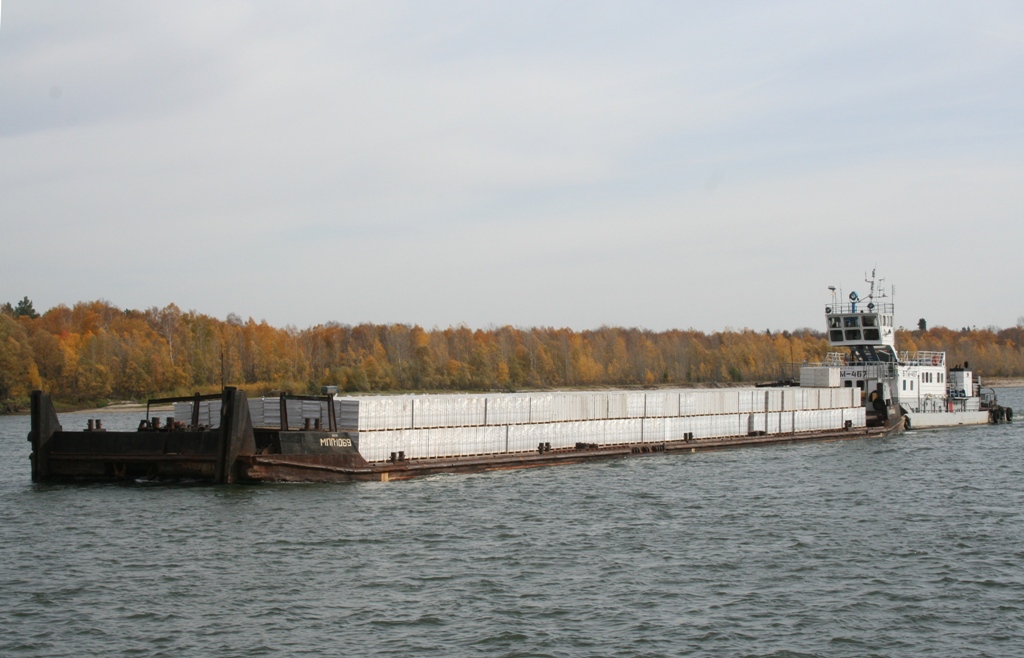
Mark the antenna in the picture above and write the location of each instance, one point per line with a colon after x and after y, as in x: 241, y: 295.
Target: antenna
x: 871, y: 281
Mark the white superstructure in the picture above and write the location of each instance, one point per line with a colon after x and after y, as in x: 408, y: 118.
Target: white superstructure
x: 917, y: 384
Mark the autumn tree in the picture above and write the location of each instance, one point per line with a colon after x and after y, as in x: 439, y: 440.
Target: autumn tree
x: 95, y: 350
x: 18, y: 372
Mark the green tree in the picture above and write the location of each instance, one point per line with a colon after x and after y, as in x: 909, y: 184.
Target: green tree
x: 25, y: 309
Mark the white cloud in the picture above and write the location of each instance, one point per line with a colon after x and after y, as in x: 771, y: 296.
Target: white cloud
x: 571, y: 163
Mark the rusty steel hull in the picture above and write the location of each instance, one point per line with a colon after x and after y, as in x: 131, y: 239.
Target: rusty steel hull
x: 286, y: 468
x: 237, y: 452
x: 96, y: 454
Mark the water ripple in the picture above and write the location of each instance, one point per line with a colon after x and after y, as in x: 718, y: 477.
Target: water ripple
x: 901, y: 546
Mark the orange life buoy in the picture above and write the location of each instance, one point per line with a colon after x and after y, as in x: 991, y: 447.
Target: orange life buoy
x: 936, y: 360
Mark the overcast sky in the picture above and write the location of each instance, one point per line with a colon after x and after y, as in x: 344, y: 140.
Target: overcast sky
x: 651, y: 164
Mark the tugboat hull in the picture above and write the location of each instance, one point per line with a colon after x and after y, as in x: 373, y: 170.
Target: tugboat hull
x: 922, y: 420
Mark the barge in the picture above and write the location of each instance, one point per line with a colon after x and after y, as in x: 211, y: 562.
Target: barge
x: 227, y: 438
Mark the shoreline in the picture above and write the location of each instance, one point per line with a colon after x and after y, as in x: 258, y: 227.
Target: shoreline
x: 121, y: 406
x: 1002, y: 382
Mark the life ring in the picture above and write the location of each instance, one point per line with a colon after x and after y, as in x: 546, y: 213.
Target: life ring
x: 936, y: 360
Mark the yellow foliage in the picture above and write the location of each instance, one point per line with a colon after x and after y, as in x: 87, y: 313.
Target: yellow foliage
x: 96, y: 350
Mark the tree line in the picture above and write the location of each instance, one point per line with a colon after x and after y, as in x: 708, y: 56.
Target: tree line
x: 94, y: 351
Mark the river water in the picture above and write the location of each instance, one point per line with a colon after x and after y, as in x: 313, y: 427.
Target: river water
x: 905, y: 546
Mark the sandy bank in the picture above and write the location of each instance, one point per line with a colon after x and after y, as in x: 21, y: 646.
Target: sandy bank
x: 123, y: 407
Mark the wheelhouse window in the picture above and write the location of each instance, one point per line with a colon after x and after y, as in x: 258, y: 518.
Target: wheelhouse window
x: 836, y: 335
x: 851, y: 321
x: 834, y: 322
x: 853, y: 334
x: 869, y: 321
x: 871, y: 334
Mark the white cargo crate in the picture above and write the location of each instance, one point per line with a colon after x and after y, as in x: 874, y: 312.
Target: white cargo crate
x: 619, y: 431
x: 541, y: 408
x: 618, y: 405
x: 820, y: 376
x: 182, y: 412
x: 375, y: 412
x: 725, y: 425
x: 256, y: 411
x: 749, y: 401
x: 634, y: 405
x: 677, y: 428
x: 730, y: 402
x: 654, y: 430
x: 658, y: 404
x: 447, y: 411
x: 521, y: 438
x: 508, y: 410
x: 373, y: 446
x: 856, y: 415
x: 209, y: 412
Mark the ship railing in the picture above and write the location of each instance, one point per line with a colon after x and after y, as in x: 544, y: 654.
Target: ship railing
x: 859, y: 307
x: 923, y: 358
x: 932, y: 402
x: 872, y: 369
x: 153, y: 422
x: 832, y: 360
x: 835, y: 359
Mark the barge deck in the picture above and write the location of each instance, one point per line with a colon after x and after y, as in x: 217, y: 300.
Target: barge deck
x: 235, y: 451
